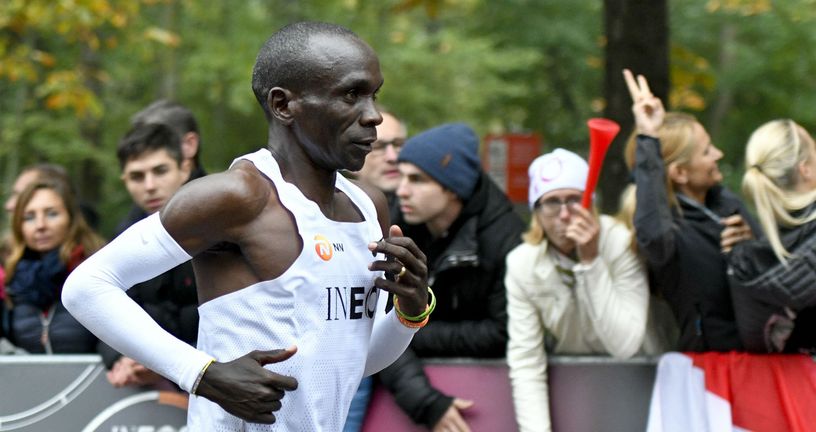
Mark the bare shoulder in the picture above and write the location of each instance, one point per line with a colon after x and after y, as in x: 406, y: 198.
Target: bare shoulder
x: 380, y: 203
x: 209, y: 210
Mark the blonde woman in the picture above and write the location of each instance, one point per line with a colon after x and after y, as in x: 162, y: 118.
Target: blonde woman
x: 685, y: 221
x: 773, y: 279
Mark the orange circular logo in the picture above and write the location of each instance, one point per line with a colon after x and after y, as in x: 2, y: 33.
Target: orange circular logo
x: 323, y: 247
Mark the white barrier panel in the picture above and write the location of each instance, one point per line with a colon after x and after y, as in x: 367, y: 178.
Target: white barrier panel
x: 70, y: 393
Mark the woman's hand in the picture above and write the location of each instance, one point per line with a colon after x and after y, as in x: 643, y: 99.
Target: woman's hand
x: 735, y: 231
x: 647, y: 108
x: 585, y: 231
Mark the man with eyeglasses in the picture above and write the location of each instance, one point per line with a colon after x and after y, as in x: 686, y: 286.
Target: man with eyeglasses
x: 465, y: 225
x: 380, y: 167
x: 574, y: 286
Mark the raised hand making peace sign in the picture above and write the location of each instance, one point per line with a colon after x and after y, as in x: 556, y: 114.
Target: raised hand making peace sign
x: 647, y: 108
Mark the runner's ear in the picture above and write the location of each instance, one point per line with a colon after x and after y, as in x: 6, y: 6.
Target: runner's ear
x: 281, y: 103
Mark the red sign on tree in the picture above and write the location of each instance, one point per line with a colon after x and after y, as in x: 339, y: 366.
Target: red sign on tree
x: 506, y: 158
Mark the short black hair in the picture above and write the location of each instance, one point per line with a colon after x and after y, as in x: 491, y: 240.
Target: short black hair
x: 148, y: 137
x: 283, y: 60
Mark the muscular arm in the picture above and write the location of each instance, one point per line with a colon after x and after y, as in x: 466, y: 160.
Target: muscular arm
x: 220, y: 208
x: 238, y: 210
x: 95, y: 291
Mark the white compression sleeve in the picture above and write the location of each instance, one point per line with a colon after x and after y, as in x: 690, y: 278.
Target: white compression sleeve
x: 95, y: 295
x: 389, y: 338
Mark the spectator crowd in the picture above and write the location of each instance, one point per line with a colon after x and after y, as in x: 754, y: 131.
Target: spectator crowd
x: 683, y: 266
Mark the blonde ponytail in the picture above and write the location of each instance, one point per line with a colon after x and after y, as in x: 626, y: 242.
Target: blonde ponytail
x: 772, y: 158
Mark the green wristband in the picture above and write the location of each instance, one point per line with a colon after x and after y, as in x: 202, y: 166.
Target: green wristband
x: 421, y: 316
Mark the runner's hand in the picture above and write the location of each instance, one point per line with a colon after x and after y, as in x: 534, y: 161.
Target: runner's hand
x: 412, y: 286
x: 245, y: 389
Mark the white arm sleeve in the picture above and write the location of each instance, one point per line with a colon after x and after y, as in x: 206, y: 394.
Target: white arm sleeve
x: 95, y: 295
x: 389, y: 338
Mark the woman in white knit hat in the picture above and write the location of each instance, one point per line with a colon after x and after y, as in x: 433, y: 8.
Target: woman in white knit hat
x: 574, y: 286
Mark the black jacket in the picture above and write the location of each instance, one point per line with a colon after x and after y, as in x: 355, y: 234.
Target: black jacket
x: 466, y: 271
x: 763, y: 288
x: 682, y: 249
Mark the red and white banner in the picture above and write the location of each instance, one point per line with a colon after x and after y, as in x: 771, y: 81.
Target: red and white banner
x: 733, y: 392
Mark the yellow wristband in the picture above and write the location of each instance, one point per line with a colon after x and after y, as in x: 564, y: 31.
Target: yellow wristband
x: 421, y: 317
x: 194, y: 389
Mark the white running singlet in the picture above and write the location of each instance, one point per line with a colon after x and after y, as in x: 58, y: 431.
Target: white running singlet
x: 324, y: 303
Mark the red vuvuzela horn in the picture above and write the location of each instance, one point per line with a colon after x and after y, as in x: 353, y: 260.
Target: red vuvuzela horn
x: 601, y: 133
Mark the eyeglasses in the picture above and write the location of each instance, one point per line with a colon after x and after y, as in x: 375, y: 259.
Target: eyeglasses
x: 381, y: 145
x: 552, y: 206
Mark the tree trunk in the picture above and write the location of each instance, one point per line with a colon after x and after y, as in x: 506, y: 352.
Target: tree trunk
x: 725, y: 91
x: 90, y: 179
x: 169, y: 70
x: 637, y: 35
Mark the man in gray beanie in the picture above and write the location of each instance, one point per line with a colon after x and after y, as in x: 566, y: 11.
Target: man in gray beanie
x: 465, y: 225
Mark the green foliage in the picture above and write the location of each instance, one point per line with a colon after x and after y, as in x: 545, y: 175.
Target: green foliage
x: 752, y: 65
x: 462, y: 78
x: 73, y: 72
x: 564, y: 84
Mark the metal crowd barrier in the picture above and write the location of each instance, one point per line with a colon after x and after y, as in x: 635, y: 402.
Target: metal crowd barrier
x: 70, y: 393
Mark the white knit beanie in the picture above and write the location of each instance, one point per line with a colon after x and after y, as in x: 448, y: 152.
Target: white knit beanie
x: 561, y: 169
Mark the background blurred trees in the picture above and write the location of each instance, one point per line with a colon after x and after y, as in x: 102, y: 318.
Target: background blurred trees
x: 637, y: 38
x: 73, y: 71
